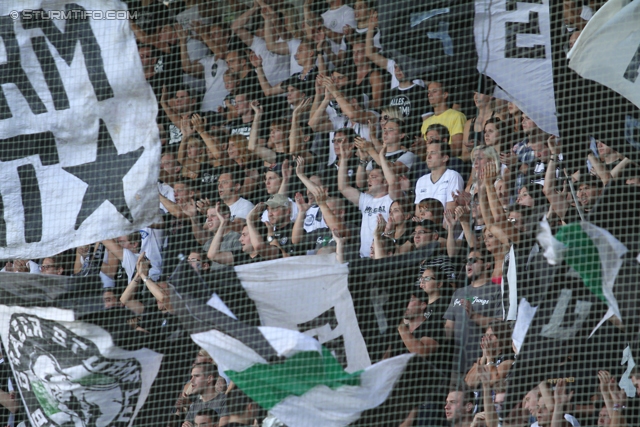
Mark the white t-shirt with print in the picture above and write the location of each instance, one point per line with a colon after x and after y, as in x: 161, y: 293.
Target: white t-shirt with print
x: 311, y: 222
x: 215, y: 92
x: 370, y: 207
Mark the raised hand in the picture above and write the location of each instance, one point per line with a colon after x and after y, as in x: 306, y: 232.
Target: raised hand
x: 203, y: 205
x: 462, y: 198
x: 305, y: 105
x: 320, y: 194
x: 381, y: 225
x: 383, y: 151
x: 142, y: 265
x: 300, y: 166
x: 560, y: 395
x: 198, y: 123
x: 553, y: 144
x: 222, y: 219
x: 508, y: 158
x: 301, y: 203
x: 363, y: 144
x: 462, y: 214
x: 478, y: 420
x: 319, y: 86
x: 484, y: 375
x: 450, y: 218
x: 256, y: 107
x: 189, y: 208
x: 373, y: 19
x: 344, y: 155
x: 390, y: 227
x: 185, y: 127
x: 256, y: 60
x: 286, y: 170
x: 256, y: 212
x: 181, y: 33
x: 490, y: 173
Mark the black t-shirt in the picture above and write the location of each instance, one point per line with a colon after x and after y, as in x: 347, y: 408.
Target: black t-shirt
x: 180, y: 240
x: 433, y: 327
x: 207, y: 181
x: 283, y: 236
x: 169, y: 68
x: 241, y: 258
x: 413, y: 102
x: 406, y: 237
x: 238, y: 127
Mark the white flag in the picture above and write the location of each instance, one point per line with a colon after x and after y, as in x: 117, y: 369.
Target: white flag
x: 80, y: 146
x: 319, y: 303
x: 608, y: 49
x: 513, y: 41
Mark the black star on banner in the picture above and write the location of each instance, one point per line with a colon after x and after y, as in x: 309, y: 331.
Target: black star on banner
x: 104, y: 177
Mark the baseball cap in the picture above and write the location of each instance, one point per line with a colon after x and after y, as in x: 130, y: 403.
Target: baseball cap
x: 278, y: 201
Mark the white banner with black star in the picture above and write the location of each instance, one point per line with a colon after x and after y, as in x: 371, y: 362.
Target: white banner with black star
x: 70, y: 373
x: 80, y: 146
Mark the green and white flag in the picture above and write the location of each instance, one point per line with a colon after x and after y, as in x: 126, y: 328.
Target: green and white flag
x: 592, y: 252
x: 323, y: 375
x: 308, y: 387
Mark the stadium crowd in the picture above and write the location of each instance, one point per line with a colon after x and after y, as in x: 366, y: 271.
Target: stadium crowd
x: 286, y: 132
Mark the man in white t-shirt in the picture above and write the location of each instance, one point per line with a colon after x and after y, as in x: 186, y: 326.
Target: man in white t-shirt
x: 189, y: 19
x: 442, y: 182
x: 229, y: 185
x: 211, y: 67
x: 275, y: 66
x: 383, y: 190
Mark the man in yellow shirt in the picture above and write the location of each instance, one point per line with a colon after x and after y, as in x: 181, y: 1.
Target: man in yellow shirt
x: 452, y: 119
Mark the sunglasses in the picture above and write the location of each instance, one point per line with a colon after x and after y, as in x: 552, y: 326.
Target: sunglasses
x: 473, y: 260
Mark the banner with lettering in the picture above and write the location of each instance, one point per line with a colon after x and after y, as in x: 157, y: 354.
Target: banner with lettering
x: 514, y: 46
x: 80, y: 146
x: 70, y: 373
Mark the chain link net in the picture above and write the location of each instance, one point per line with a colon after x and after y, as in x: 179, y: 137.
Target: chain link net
x: 235, y: 213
